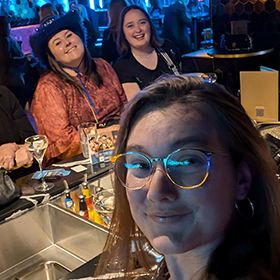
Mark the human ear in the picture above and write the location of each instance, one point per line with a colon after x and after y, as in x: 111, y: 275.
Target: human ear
x: 244, y: 180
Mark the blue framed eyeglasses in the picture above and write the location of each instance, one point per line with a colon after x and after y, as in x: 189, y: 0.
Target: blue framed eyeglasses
x: 186, y: 168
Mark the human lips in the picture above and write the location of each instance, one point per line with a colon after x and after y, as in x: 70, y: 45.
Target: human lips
x: 71, y: 49
x: 167, y: 218
x: 139, y: 37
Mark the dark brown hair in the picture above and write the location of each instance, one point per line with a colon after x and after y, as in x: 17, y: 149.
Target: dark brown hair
x: 122, y: 44
x: 47, y: 10
x: 115, y: 8
x: 251, y: 247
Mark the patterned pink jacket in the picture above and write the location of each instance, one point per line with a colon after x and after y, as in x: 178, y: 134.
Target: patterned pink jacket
x: 58, y: 106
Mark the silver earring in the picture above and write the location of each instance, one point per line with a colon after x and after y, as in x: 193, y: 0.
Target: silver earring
x: 243, y: 204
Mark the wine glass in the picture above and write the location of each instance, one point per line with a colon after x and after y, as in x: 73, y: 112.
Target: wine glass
x: 103, y: 204
x: 37, y: 146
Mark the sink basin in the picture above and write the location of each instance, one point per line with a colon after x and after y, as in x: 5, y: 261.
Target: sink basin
x: 47, y: 243
x: 48, y: 270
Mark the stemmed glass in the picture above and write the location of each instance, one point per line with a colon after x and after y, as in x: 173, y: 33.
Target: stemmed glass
x: 103, y: 204
x: 37, y: 146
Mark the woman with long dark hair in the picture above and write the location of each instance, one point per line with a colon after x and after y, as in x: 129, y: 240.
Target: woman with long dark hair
x: 144, y: 57
x: 75, y: 87
x: 195, y: 182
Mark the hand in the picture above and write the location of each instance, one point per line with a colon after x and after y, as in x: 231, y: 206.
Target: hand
x: 7, y: 155
x: 23, y: 157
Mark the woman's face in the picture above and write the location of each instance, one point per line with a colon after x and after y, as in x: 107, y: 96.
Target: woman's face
x: 67, y: 48
x: 177, y: 220
x: 137, y: 29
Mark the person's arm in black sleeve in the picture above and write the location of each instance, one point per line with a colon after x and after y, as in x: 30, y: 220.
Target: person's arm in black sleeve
x: 20, y: 121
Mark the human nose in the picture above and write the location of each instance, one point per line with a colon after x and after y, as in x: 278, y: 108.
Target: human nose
x: 138, y: 28
x: 67, y: 42
x: 160, y: 188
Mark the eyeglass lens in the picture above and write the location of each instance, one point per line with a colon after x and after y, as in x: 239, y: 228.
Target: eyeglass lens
x: 186, y: 168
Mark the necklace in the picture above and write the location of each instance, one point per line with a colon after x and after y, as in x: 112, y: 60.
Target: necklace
x: 143, y: 56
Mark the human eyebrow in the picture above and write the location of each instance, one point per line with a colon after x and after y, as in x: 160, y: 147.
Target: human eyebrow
x: 56, y: 40
x: 129, y: 23
x: 137, y: 148
x: 67, y: 33
x: 190, y: 141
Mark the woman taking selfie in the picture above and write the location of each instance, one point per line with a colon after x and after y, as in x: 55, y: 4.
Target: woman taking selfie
x: 144, y: 57
x: 75, y: 88
x: 195, y: 182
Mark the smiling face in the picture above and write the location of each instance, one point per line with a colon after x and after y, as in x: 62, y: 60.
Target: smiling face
x: 177, y: 220
x: 67, y: 48
x: 137, y: 30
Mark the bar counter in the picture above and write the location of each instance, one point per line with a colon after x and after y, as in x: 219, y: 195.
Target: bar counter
x: 27, y: 185
x: 39, y: 235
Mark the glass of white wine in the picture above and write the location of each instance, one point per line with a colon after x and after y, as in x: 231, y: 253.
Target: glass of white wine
x: 37, y: 146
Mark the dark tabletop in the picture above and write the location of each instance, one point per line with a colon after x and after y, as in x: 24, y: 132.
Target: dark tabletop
x: 85, y: 270
x: 223, y: 53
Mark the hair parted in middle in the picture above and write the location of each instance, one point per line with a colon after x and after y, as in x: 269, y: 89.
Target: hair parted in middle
x: 122, y: 44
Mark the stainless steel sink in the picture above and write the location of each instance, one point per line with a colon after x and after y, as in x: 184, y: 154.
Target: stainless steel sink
x: 46, y: 243
x: 48, y: 270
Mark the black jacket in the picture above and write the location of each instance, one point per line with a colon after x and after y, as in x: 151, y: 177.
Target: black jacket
x: 175, y: 27
x: 14, y: 124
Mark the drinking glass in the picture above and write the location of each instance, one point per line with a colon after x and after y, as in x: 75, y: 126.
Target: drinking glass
x: 86, y: 132
x: 104, y: 203
x: 37, y: 146
x: 209, y: 77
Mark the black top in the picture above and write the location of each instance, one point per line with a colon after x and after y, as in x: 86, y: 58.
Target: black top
x: 14, y: 124
x: 175, y: 27
x: 129, y: 70
x: 109, y: 48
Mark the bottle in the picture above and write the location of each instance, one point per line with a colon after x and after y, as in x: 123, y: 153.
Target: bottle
x: 83, y: 206
x: 91, y: 212
x: 86, y: 191
x: 68, y: 201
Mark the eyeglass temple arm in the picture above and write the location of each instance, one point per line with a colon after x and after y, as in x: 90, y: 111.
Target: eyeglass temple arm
x: 114, y: 158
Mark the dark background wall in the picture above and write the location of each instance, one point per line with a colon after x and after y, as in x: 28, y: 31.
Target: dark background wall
x: 263, y: 20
